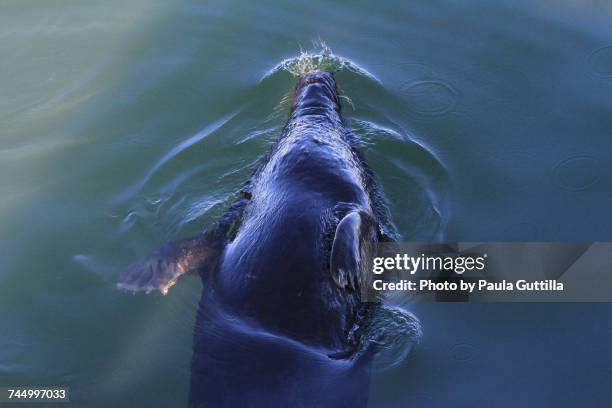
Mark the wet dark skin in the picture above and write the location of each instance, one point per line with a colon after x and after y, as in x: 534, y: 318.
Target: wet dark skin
x: 283, y: 269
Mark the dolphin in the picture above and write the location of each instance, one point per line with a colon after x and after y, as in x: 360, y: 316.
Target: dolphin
x: 282, y: 315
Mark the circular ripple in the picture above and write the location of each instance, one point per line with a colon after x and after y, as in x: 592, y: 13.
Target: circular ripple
x: 430, y: 98
x: 577, y: 173
x: 601, y: 62
x: 463, y: 352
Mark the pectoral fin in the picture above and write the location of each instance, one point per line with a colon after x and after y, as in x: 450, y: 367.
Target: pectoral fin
x: 200, y: 254
x: 347, y: 261
x: 161, y: 269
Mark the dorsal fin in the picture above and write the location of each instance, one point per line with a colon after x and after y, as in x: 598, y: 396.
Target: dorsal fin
x: 353, y: 235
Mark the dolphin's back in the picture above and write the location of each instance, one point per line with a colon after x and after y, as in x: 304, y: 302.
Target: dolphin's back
x: 277, y: 307
x: 238, y: 365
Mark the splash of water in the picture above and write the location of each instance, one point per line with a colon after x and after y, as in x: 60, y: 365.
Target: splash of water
x: 320, y: 59
x: 392, y: 331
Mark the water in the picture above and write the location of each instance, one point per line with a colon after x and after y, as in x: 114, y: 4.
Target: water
x: 124, y: 126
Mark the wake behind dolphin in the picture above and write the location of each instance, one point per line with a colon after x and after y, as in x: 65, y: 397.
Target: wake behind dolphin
x: 281, y: 317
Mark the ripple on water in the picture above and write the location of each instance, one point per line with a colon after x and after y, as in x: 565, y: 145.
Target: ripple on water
x: 415, y: 181
x: 392, y: 331
x: 577, y: 173
x: 431, y: 98
x: 600, y: 62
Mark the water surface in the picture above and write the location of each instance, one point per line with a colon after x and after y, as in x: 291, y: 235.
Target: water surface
x: 125, y: 125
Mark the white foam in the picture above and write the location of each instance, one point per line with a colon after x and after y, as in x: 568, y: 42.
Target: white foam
x: 322, y: 59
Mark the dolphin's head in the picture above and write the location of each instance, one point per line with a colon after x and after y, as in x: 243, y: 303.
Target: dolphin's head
x: 316, y: 93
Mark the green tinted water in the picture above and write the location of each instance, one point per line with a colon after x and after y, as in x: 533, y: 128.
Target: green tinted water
x: 125, y: 125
